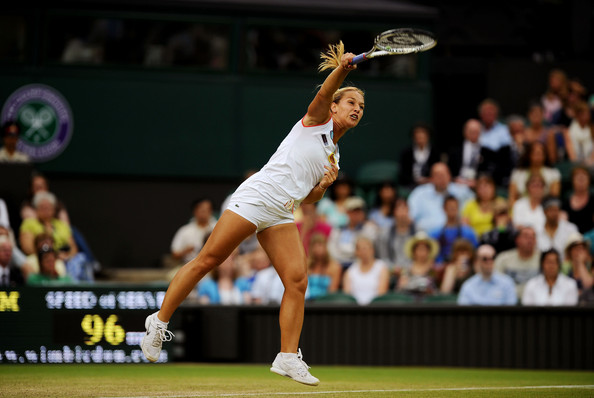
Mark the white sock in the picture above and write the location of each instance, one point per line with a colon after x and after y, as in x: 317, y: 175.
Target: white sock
x: 288, y: 355
x: 160, y: 321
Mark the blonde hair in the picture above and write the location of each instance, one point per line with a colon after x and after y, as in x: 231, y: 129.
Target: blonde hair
x: 331, y: 58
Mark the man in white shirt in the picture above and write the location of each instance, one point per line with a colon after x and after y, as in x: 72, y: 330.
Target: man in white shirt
x: 554, y: 233
x: 9, y: 275
x: 10, y: 138
x: 190, y: 238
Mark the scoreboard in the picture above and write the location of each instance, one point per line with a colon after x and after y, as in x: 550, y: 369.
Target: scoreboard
x: 77, y: 323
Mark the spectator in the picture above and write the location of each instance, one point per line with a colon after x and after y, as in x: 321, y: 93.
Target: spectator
x: 426, y: 201
x: 332, y: 208
x: 267, y: 287
x: 557, y: 90
x: 39, y: 183
x: 381, y: 213
x: 534, y: 161
x: 324, y: 273
x: 367, y: 277
x: 391, y: 241
x: 452, y: 230
x: 517, y: 130
x: 528, y: 210
x: 416, y: 161
x: 421, y: 277
x: 523, y: 262
x: 502, y: 234
x: 47, y: 275
x: 342, y: 241
x: 555, y: 232
x: 77, y: 264
x: 10, y: 137
x: 578, y: 263
x: 550, y: 287
x: 495, y: 139
x: 18, y: 257
x: 487, y: 287
x: 223, y: 286
x: 190, y: 238
x: 43, y: 241
x: 464, y: 160
x: 10, y: 275
x: 538, y: 130
x: 459, y: 268
x: 311, y: 224
x: 579, y: 206
x: 579, y: 136
x: 4, y: 216
x: 478, y: 212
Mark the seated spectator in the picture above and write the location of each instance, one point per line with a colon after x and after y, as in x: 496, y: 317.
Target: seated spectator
x: 367, y: 277
x: 539, y: 130
x: 223, y: 286
x: 426, y: 201
x: 579, y: 141
x: 478, y: 212
x: 517, y: 130
x: 77, y: 264
x: 502, y: 233
x: 556, y: 231
x: 189, y: 239
x: 465, y: 160
x: 579, y: 206
x: 332, y: 208
x: 487, y: 287
x: 452, y: 230
x: 578, y: 263
x: 324, y: 273
x: 311, y: 224
x: 39, y: 183
x: 522, y: 262
x: 382, y: 211
x: 267, y: 287
x: 391, y: 240
x: 10, y: 275
x: 528, y: 211
x: 557, y: 90
x: 47, y: 275
x: 459, y: 268
x: 421, y: 277
x: 534, y: 161
x: 495, y: 139
x: 550, y: 287
x: 18, y: 257
x: 341, y: 243
x: 416, y: 161
x: 43, y: 241
x: 10, y: 137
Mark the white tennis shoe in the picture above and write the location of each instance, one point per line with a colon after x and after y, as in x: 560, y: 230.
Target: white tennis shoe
x: 156, y: 334
x: 294, y: 367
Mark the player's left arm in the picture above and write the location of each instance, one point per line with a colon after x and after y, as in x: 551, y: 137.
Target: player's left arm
x: 319, y: 190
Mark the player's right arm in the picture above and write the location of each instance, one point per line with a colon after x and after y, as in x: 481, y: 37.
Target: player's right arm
x: 318, y: 111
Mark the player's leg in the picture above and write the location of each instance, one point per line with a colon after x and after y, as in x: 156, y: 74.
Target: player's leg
x: 285, y: 250
x: 229, y: 232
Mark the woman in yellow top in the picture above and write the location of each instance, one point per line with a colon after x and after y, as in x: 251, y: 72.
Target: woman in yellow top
x: 478, y: 212
x: 45, y: 222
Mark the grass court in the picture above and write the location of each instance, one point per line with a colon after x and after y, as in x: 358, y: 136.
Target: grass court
x: 213, y: 380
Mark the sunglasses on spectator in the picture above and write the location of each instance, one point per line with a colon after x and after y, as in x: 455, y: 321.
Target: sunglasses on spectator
x: 487, y: 258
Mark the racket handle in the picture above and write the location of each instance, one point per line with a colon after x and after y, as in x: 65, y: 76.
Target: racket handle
x: 358, y: 58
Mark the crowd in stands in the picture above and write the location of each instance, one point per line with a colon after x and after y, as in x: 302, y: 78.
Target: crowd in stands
x: 504, y: 218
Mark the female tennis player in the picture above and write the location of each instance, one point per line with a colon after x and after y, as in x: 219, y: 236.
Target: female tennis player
x: 302, y: 168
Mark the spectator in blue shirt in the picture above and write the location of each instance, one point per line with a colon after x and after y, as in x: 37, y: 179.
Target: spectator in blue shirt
x: 425, y: 202
x: 452, y: 230
x: 496, y: 141
x: 487, y: 287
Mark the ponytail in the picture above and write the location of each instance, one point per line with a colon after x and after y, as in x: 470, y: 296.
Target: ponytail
x: 331, y: 58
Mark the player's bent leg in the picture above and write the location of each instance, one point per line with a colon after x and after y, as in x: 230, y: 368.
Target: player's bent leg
x: 285, y: 250
x: 229, y: 232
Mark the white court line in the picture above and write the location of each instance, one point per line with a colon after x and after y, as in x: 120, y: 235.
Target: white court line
x: 261, y: 394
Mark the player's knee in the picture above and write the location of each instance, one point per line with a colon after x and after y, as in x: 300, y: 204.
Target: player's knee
x: 298, y: 283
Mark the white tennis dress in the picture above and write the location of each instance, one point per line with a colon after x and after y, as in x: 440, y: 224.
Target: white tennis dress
x: 289, y: 176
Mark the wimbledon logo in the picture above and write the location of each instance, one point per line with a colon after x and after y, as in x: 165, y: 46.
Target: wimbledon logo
x: 45, y: 120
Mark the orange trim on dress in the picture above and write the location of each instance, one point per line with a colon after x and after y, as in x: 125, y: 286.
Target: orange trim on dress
x: 315, y: 125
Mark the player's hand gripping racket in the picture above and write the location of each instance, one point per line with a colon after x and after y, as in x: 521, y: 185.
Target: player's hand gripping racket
x: 398, y: 41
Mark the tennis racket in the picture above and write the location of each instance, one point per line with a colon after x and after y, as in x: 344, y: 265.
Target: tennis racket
x: 398, y: 41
